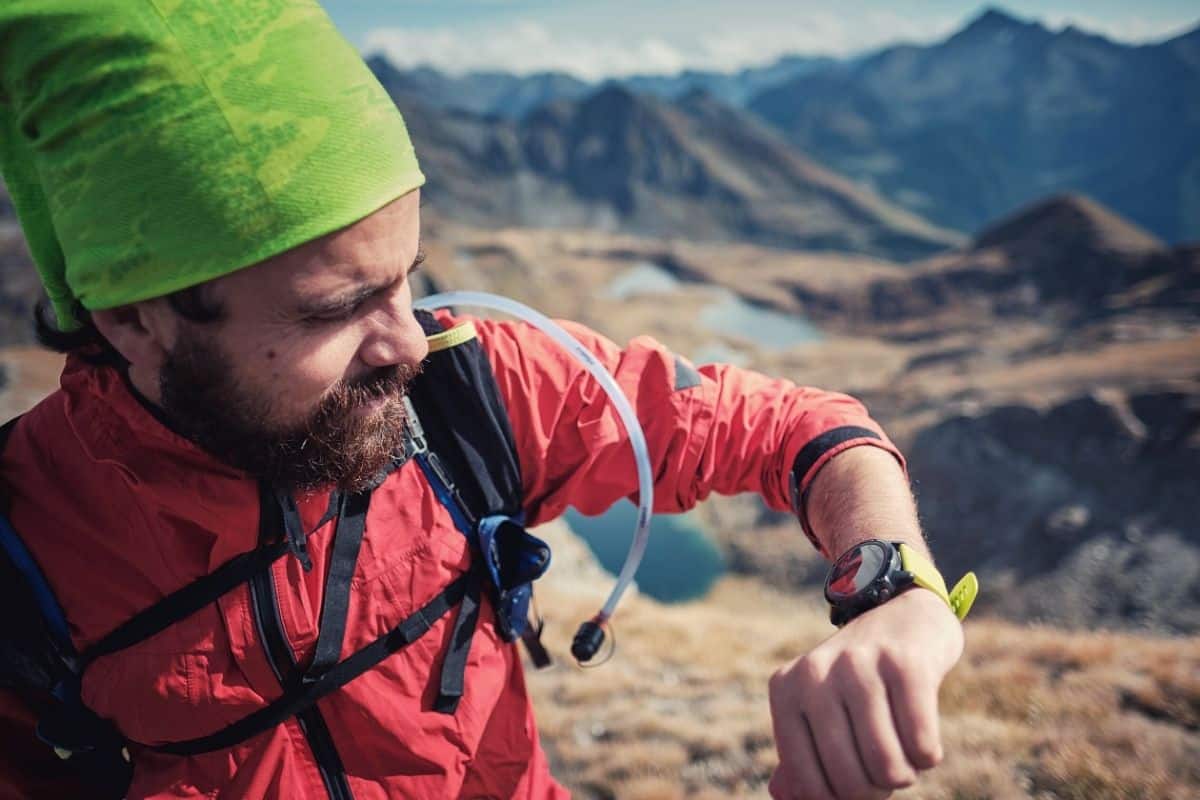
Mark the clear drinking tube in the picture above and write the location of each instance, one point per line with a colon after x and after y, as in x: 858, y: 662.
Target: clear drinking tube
x: 591, y: 634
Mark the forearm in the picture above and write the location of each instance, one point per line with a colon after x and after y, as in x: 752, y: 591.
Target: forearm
x: 712, y: 428
x: 862, y: 493
x: 857, y: 716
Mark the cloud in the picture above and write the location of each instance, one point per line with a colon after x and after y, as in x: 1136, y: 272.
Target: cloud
x: 1129, y: 29
x: 522, y: 48
x: 653, y: 41
x: 525, y: 47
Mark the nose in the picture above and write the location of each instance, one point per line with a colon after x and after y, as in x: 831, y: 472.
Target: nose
x: 395, y: 337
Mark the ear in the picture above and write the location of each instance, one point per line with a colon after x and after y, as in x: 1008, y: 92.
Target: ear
x: 141, y: 332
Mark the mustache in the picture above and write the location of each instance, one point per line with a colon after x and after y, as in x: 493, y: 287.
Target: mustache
x: 384, y: 382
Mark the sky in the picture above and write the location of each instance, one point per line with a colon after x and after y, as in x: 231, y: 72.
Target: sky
x: 593, y: 39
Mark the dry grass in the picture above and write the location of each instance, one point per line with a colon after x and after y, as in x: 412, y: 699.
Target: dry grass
x: 681, y: 710
x: 1030, y: 712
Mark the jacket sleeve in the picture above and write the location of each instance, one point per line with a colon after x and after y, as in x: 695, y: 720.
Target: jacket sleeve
x: 713, y: 428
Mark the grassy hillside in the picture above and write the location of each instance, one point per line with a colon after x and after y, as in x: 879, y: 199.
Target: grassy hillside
x: 681, y: 709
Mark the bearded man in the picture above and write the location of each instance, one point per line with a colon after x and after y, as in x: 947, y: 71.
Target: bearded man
x: 223, y: 205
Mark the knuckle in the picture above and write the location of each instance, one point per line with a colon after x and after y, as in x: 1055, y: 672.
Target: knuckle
x: 801, y: 678
x: 897, y: 661
x: 776, y: 788
x: 855, y: 665
x: 928, y: 753
x: 777, y: 684
x: 898, y: 776
x: 812, y: 670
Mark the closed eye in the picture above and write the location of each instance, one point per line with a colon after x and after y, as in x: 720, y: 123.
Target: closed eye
x: 346, y: 307
x: 332, y: 315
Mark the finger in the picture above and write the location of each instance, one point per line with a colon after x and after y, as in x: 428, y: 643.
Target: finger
x: 799, y: 775
x: 818, y: 783
x: 779, y: 787
x: 875, y: 734
x: 844, y: 770
x: 913, y: 698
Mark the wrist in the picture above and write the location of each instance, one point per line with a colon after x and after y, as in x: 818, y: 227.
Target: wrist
x: 926, y: 603
x: 875, y: 572
x: 923, y: 608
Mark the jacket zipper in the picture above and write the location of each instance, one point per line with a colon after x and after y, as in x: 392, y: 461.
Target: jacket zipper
x: 283, y: 664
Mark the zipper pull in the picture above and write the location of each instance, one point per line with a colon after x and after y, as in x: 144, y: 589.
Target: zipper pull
x: 415, y: 443
x: 293, y: 528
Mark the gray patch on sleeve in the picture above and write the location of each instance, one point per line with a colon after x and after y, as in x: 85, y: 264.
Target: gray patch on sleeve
x: 685, y: 375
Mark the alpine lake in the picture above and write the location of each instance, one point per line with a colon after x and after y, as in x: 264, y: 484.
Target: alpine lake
x: 681, y: 561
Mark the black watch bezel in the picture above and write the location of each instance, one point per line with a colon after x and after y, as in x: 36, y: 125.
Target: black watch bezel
x: 890, y: 580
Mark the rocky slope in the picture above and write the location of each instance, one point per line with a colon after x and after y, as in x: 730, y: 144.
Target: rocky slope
x: 681, y: 708
x: 1083, y: 514
x: 961, y: 132
x: 1063, y: 326
x: 617, y: 161
x: 1056, y: 357
x: 1093, y: 496
x: 1066, y: 257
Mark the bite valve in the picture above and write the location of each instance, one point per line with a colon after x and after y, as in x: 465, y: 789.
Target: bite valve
x: 587, y: 642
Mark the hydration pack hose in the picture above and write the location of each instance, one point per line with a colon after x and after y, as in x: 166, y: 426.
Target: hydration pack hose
x: 590, y: 635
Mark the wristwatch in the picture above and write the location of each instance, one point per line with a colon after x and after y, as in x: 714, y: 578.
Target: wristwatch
x: 874, y: 571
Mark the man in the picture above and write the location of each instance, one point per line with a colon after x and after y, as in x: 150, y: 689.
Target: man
x: 224, y: 208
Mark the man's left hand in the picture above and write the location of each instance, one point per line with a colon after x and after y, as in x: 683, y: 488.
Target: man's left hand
x: 857, y: 717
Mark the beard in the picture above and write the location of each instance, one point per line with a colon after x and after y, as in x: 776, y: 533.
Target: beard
x: 333, y: 447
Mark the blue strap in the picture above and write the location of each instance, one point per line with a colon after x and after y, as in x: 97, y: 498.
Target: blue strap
x: 47, y: 603
x: 447, y: 494
x: 514, y: 557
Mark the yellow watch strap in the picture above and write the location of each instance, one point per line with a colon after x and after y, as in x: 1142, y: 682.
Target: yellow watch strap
x: 459, y: 334
x: 926, y: 575
x: 963, y: 595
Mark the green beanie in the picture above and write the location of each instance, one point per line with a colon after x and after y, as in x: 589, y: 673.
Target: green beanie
x: 151, y: 145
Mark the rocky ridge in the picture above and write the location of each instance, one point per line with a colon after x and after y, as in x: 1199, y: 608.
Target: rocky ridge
x: 621, y: 162
x: 1006, y: 111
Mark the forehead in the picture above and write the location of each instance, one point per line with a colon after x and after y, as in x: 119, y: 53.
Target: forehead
x: 377, y: 247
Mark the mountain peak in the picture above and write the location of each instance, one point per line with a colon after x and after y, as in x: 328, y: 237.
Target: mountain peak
x: 994, y: 22
x: 617, y: 101
x: 993, y: 18
x: 1069, y: 220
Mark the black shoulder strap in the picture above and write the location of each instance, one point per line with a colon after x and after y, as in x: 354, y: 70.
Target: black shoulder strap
x: 471, y: 442
x: 466, y: 423
x: 32, y: 653
x: 303, y: 695
x: 467, y: 426
x: 184, y: 602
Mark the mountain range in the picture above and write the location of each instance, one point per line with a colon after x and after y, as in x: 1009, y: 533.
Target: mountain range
x: 1065, y: 257
x: 1005, y: 111
x: 504, y: 94
x: 960, y: 132
x: 617, y: 160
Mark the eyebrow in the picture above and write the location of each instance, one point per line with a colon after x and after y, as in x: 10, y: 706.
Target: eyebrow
x: 351, y: 298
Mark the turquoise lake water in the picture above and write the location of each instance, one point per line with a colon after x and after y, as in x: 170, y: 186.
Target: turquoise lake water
x: 681, y: 562
x: 726, y: 314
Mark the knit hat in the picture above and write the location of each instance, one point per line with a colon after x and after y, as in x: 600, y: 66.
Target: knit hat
x: 151, y: 145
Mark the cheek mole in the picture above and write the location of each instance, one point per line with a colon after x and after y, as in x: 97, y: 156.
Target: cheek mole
x: 270, y: 355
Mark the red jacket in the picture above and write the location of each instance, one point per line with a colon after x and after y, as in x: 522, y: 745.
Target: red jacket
x: 119, y: 511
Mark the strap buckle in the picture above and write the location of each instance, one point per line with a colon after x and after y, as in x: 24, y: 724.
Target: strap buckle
x: 415, y: 442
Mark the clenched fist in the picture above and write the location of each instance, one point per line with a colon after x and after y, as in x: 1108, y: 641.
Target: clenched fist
x: 857, y: 717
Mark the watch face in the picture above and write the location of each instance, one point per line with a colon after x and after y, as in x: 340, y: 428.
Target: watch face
x: 856, y: 570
